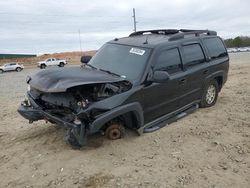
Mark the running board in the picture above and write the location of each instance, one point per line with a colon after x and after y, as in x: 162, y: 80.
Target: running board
x: 169, y: 118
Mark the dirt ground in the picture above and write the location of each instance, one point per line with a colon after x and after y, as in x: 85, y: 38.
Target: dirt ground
x: 208, y: 148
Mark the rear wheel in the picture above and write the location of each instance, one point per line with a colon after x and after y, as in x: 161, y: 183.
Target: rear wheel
x: 18, y: 69
x: 210, y: 94
x: 61, y: 64
x: 42, y: 66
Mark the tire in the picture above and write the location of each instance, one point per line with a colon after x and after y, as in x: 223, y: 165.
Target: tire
x: 210, y: 94
x: 18, y: 69
x: 71, y: 139
x: 61, y: 64
x: 42, y: 66
x: 1, y: 71
x: 115, y: 131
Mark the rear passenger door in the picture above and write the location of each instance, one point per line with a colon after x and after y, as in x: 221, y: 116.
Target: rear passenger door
x: 196, y: 69
x: 54, y: 62
x: 13, y: 66
x: 163, y: 98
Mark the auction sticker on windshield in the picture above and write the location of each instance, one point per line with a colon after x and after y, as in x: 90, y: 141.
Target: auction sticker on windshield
x: 137, y: 51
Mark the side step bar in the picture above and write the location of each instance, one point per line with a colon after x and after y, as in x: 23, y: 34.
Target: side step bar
x: 169, y: 118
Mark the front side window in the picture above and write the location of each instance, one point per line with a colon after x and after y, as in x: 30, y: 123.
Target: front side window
x: 215, y: 48
x: 169, y: 60
x: 193, y: 55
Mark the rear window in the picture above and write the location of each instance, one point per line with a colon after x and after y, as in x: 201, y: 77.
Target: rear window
x: 215, y: 48
x: 193, y: 54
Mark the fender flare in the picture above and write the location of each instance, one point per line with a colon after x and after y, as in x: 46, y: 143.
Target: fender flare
x: 135, y: 108
x: 213, y: 76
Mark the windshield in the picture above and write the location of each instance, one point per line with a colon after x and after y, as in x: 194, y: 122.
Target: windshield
x: 127, y: 61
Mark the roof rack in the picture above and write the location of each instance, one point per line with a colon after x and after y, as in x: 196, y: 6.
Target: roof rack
x: 176, y: 34
x: 157, y: 31
x: 184, y: 32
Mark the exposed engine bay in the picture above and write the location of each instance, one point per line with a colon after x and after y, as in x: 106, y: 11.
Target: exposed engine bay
x: 79, y: 97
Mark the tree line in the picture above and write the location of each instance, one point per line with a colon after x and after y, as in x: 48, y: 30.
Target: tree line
x: 237, y: 42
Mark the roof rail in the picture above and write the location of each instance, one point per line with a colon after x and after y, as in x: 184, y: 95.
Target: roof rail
x: 157, y: 31
x: 184, y: 32
x: 176, y: 34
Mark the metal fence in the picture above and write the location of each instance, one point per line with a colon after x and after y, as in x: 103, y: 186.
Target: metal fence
x: 11, y: 56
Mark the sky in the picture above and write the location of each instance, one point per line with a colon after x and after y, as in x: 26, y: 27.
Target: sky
x: 46, y: 26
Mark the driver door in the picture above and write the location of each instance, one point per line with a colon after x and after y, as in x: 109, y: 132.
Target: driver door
x: 163, y: 98
x: 7, y: 67
x: 48, y: 62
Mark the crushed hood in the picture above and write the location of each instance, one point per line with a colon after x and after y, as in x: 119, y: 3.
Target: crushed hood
x: 59, y: 80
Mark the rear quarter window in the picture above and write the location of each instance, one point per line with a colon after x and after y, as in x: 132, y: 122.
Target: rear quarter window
x: 215, y: 47
x: 193, y: 54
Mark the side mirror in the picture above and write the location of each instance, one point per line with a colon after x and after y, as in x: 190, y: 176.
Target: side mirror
x: 85, y: 59
x: 160, y: 76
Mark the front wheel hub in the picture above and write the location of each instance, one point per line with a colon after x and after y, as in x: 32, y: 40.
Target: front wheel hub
x: 115, y: 131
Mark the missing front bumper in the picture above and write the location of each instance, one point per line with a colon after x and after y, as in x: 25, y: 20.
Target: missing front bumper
x: 35, y: 114
x: 30, y: 113
x: 78, y: 132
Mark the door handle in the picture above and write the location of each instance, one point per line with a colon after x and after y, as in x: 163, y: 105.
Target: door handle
x: 205, y: 71
x: 182, y: 81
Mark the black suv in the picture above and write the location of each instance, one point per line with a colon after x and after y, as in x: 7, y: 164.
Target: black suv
x: 142, y: 82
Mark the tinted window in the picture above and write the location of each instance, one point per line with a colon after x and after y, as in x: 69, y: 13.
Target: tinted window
x: 127, y: 61
x: 215, y: 48
x: 193, y: 54
x: 169, y: 61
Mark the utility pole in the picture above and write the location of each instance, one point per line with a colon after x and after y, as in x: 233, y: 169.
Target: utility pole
x: 134, y: 19
x: 80, y: 42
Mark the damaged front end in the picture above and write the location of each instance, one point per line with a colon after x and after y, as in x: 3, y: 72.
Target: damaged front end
x: 81, y: 109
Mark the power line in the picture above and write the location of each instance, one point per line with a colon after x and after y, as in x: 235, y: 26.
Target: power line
x: 62, y: 15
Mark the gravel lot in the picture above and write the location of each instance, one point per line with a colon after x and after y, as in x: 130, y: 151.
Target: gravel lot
x: 209, y: 148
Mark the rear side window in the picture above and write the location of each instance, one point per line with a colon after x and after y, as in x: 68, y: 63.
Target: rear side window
x: 169, y: 61
x: 215, y: 48
x: 193, y: 54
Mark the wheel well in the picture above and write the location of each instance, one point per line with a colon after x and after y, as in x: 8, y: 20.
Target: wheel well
x: 129, y: 120
x: 219, y: 80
